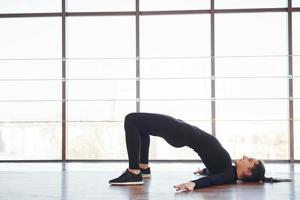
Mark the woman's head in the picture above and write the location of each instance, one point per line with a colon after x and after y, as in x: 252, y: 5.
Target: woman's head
x: 250, y: 169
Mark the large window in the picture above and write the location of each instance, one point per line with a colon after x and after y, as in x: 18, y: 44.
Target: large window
x: 296, y: 69
x: 77, y: 70
x: 171, y: 51
x: 101, y: 86
x: 30, y: 85
x: 251, y: 84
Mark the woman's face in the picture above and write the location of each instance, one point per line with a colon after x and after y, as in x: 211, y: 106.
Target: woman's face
x: 246, y: 163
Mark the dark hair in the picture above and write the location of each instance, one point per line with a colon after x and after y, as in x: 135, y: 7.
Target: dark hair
x: 258, y: 175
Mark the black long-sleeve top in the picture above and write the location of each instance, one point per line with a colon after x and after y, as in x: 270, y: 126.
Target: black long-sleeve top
x: 215, y: 158
x: 229, y: 176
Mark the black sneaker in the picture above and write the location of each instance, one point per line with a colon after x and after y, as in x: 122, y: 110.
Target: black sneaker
x: 128, y: 178
x: 146, y: 173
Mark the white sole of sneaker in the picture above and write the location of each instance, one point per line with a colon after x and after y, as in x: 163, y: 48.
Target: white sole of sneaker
x: 146, y: 175
x: 129, y: 183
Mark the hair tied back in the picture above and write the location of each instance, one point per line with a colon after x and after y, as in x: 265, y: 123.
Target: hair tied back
x: 268, y: 180
x: 276, y: 180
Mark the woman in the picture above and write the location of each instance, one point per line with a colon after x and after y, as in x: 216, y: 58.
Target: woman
x: 219, y: 169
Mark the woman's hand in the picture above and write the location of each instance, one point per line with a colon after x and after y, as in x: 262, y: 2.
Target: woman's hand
x: 199, y: 172
x: 185, y: 187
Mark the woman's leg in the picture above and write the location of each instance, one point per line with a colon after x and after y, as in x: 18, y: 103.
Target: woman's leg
x: 137, y: 143
x: 138, y: 127
x: 133, y: 143
x: 144, y: 150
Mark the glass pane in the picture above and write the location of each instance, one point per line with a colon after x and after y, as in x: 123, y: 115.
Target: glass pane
x: 297, y: 87
x: 259, y: 139
x: 221, y: 4
x: 30, y: 141
x: 296, y: 3
x: 103, y: 89
x: 30, y: 90
x: 99, y: 110
x: 251, y: 34
x: 296, y: 32
x: 251, y: 88
x: 30, y: 69
x: 297, y: 109
x: 185, y: 110
x: 93, y: 69
x: 178, y: 89
x: 100, y: 5
x: 297, y: 136
x: 296, y: 71
x: 253, y: 66
x: 94, y: 37
x: 175, y: 36
x: 30, y: 111
x: 30, y: 37
x: 29, y: 6
x: 174, y: 5
x: 252, y: 110
x: 296, y: 66
x: 175, y: 68
x: 95, y: 141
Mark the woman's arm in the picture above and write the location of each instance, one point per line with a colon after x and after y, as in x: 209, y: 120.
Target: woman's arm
x: 207, y: 181
x: 216, y: 179
x: 201, y: 172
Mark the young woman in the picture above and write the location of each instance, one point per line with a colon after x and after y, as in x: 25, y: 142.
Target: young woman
x: 219, y: 169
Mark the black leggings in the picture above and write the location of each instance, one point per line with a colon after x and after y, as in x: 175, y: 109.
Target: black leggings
x: 139, y: 127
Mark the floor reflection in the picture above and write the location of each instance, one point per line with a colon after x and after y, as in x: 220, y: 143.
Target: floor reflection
x: 70, y: 184
x: 64, y: 182
x: 132, y: 192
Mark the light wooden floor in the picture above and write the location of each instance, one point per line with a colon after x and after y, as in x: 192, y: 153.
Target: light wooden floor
x: 84, y: 181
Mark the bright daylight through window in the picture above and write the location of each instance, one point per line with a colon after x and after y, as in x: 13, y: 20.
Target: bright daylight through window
x: 74, y: 73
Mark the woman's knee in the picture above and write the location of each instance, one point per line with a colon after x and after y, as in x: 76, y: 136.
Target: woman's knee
x: 131, y: 118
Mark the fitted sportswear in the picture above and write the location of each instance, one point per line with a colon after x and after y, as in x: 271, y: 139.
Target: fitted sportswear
x: 176, y: 132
